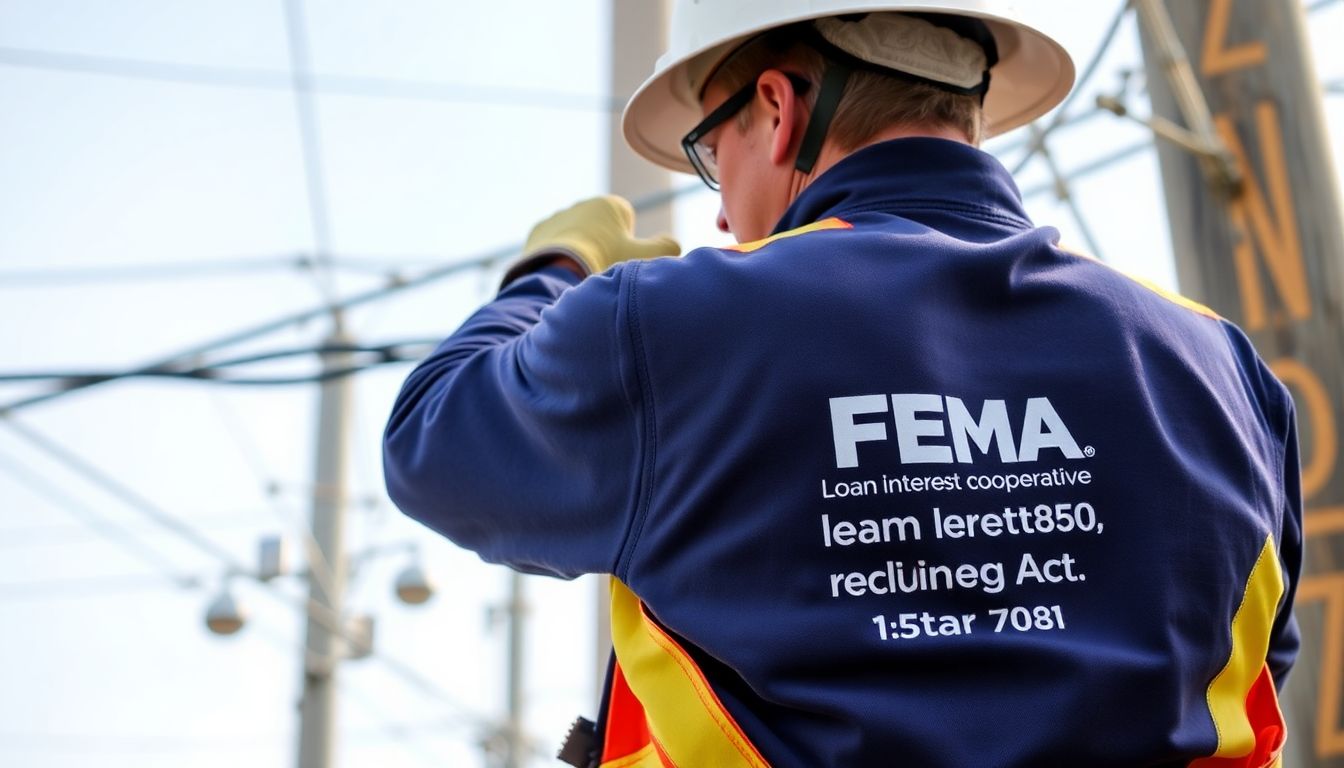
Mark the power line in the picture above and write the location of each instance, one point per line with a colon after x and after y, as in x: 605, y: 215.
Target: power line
x: 317, y: 565
x: 123, y: 493
x: 1001, y: 146
x: 335, y: 85
x: 83, y: 588
x: 195, y: 269
x: 483, y: 260
x: 1087, y: 169
x: 1065, y: 194
x: 408, y: 674
x: 388, y: 267
x: 1038, y: 139
x: 112, y: 532
x: 58, y: 535
x: 310, y: 139
x: 379, y: 354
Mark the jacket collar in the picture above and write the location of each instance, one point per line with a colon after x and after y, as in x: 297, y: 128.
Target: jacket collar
x: 903, y: 176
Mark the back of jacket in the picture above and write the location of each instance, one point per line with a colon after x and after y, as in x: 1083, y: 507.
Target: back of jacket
x: 905, y: 480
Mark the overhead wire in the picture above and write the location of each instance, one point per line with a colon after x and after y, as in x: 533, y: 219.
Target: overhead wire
x: 21, y: 278
x: 1091, y: 167
x: 122, y: 493
x: 269, y: 487
x: 483, y: 260
x: 1002, y: 146
x: 383, y: 88
x: 57, y: 534
x: 217, y: 372
x: 120, y: 583
x: 1064, y: 193
x: 83, y: 588
x: 335, y: 624
x: 111, y: 532
x: 310, y: 140
x: 389, y: 268
x: 1060, y: 116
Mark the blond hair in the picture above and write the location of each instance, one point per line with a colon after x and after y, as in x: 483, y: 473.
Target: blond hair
x: 871, y: 102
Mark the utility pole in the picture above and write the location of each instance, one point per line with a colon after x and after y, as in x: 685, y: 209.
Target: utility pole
x: 326, y: 563
x: 515, y: 743
x: 1264, y: 247
x: 638, y: 35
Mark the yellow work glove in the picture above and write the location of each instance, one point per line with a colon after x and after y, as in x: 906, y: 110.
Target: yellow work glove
x: 596, y: 233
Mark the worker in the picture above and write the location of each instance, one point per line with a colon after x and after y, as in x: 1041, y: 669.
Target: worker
x: 896, y: 479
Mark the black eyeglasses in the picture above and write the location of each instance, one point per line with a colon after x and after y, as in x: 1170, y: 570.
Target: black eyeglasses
x: 702, y: 156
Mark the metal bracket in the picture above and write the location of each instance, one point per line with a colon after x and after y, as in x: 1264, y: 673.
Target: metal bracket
x: 1219, y: 165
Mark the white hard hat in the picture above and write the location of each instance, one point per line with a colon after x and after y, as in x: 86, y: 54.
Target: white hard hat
x: 1033, y: 73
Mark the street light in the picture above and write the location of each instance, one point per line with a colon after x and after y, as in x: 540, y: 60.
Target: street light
x: 414, y: 587
x: 225, y: 615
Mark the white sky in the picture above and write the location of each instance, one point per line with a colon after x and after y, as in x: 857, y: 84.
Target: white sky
x: 101, y: 660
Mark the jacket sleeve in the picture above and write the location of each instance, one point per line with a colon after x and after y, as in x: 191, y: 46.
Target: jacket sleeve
x: 1285, y: 638
x: 519, y: 438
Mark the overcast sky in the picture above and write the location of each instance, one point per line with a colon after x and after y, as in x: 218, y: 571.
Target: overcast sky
x: 164, y: 135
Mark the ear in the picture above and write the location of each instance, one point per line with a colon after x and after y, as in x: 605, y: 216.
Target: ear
x: 782, y: 107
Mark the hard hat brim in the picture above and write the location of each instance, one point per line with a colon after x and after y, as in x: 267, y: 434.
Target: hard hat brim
x: 1033, y: 75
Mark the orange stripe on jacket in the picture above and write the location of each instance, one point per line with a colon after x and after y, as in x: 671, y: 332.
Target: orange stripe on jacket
x: 1242, y: 700
x: 686, y: 723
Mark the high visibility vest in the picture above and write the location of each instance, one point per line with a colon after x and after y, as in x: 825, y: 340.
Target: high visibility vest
x: 660, y: 709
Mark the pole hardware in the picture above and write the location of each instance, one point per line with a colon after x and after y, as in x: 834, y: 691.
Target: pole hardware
x: 1215, y: 160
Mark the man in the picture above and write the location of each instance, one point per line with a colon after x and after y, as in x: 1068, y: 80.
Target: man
x: 896, y: 480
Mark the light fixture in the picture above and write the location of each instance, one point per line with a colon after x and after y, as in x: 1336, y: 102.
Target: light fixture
x: 225, y: 615
x: 414, y: 587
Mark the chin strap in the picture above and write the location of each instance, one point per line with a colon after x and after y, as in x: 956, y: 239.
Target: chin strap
x: 842, y: 63
x: 828, y: 98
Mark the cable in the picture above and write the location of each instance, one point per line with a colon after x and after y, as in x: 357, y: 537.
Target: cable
x: 318, y: 612
x: 483, y: 260
x: 1059, y: 118
x: 317, y: 564
x: 1087, y: 169
x: 381, y: 354
x: 272, y: 80
x: 198, y: 269
x: 1065, y: 195
x: 112, y: 532
x: 123, y: 493
x: 1001, y: 146
x: 59, y: 277
x: 310, y: 139
x: 59, y: 535
x: 96, y: 586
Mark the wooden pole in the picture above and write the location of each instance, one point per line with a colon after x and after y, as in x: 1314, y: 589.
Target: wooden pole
x: 1268, y: 255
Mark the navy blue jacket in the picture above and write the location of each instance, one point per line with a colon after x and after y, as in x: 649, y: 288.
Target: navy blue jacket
x: 921, y: 486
